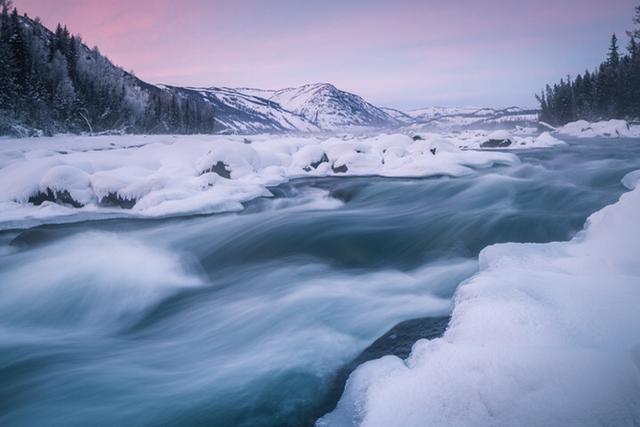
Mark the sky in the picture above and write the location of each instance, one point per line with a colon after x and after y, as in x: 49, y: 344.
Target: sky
x: 402, y: 53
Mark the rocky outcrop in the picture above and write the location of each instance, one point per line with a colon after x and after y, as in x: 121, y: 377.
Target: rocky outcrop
x: 219, y: 168
x: 61, y: 197
x: 116, y: 200
x: 496, y: 143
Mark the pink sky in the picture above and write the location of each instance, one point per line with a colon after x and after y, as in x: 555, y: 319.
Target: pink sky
x: 403, y: 53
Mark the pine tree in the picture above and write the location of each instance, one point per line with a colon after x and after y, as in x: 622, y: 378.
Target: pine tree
x: 636, y: 20
x: 611, y: 91
x: 8, y: 84
x: 613, y: 58
x: 632, y: 48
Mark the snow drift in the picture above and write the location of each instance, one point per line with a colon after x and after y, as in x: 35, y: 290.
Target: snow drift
x: 543, y: 335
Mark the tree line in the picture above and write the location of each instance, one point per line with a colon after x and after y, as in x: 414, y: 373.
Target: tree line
x: 611, y: 91
x: 50, y: 82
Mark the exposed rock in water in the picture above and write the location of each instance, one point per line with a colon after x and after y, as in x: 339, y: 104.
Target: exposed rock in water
x: 398, y: 341
x: 315, y: 165
x: 61, y: 197
x: 496, y: 143
x: 340, y: 169
x: 115, y: 199
x: 33, y: 237
x: 344, y: 194
x: 219, y: 168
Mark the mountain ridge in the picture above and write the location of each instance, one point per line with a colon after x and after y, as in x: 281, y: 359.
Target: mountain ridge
x: 322, y: 107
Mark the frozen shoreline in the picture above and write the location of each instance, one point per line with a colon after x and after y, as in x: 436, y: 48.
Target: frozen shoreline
x: 61, y: 178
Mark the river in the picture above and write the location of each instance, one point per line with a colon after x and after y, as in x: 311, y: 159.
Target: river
x: 255, y: 318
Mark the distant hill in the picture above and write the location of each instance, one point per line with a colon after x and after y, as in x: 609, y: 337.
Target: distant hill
x: 473, y: 117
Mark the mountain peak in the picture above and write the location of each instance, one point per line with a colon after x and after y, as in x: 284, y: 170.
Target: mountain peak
x: 330, y: 108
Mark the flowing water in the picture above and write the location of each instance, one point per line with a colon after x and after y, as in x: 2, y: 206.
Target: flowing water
x: 254, y: 319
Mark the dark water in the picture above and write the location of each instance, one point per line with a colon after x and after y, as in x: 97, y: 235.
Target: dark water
x: 255, y: 319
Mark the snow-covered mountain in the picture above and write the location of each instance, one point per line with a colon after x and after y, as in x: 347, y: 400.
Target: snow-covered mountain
x: 322, y: 107
x: 309, y: 108
x: 399, y: 116
x: 330, y: 108
x: 242, y: 112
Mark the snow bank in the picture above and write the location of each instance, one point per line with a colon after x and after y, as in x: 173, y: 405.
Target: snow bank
x: 543, y: 335
x: 45, y: 179
x: 605, y: 129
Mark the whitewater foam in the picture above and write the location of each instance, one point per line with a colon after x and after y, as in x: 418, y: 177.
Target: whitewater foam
x: 89, y: 280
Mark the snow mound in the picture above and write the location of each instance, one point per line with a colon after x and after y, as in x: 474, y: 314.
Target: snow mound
x: 45, y: 179
x: 604, y: 129
x: 543, y: 335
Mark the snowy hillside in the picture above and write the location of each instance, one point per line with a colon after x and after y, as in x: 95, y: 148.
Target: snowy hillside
x: 399, y: 116
x: 68, y: 87
x: 469, y: 117
x: 245, y: 113
x: 330, y: 108
x: 309, y: 108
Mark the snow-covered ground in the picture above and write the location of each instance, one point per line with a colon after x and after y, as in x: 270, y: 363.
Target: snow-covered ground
x: 604, y: 129
x: 64, y: 178
x: 543, y: 335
